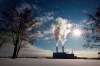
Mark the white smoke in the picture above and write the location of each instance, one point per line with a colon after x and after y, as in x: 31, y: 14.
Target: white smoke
x: 61, y: 27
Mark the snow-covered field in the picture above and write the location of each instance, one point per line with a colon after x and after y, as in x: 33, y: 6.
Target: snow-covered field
x: 48, y: 62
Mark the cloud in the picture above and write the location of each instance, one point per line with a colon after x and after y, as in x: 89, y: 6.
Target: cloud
x: 84, y: 11
x: 85, y: 20
x: 36, y: 8
x: 40, y: 20
x: 50, y: 13
x: 46, y: 17
x: 48, y: 38
x: 46, y: 34
x: 23, y: 7
x: 82, y: 23
x: 49, y: 31
x: 33, y: 25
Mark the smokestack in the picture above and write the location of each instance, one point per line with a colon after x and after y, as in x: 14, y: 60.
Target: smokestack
x: 62, y: 48
x: 57, y: 49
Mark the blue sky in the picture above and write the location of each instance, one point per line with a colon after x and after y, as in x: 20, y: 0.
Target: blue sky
x: 73, y: 10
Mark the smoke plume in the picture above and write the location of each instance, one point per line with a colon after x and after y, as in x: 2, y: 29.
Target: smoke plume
x: 61, y: 27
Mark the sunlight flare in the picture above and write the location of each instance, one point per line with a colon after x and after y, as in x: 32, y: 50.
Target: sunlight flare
x: 77, y: 32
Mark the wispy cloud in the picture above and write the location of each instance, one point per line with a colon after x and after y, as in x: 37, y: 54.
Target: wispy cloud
x: 23, y: 6
x: 48, y: 38
x: 36, y: 8
x: 46, y: 17
x: 85, y: 20
x: 85, y: 11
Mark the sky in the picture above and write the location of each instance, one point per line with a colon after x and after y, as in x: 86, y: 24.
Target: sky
x: 47, y: 11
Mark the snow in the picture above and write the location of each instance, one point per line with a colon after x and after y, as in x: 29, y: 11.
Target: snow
x: 48, y: 62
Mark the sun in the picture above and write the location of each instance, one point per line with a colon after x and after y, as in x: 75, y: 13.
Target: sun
x: 77, y: 32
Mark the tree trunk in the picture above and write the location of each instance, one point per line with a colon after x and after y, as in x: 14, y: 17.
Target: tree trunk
x: 18, y: 49
x: 15, y: 50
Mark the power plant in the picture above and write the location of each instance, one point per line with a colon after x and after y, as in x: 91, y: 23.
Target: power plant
x: 61, y: 28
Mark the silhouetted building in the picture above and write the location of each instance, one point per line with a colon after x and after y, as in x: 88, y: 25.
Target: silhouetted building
x: 98, y: 54
x: 63, y: 55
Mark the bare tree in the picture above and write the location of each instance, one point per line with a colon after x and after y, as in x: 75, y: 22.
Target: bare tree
x: 18, y: 25
x: 93, y: 30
